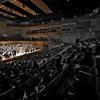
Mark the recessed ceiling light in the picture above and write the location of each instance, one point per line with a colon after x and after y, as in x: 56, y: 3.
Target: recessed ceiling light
x: 68, y: 0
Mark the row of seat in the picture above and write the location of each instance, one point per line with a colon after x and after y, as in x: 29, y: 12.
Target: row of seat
x: 25, y: 72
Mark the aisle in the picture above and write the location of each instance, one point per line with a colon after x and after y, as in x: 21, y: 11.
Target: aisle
x: 98, y: 91
x: 98, y: 78
x: 98, y: 83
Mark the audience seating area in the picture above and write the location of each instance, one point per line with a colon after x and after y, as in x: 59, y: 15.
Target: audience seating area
x: 24, y: 69
x: 66, y: 73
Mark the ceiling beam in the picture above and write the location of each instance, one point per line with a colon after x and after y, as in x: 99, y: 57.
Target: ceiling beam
x: 32, y: 6
x: 20, y: 5
x: 12, y: 14
x: 11, y: 11
x: 40, y: 4
x: 18, y: 9
x: 4, y: 18
x: 2, y: 1
x: 6, y: 15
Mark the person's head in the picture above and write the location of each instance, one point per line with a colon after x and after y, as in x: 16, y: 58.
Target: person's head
x: 77, y: 41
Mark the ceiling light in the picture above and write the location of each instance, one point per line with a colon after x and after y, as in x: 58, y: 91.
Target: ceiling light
x: 68, y: 0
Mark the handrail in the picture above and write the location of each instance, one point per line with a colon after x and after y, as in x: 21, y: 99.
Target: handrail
x: 6, y: 92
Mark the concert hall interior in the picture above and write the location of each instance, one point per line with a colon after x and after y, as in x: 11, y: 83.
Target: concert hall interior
x: 49, y: 49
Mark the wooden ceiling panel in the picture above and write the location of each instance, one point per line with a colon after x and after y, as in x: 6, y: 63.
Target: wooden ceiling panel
x: 23, y: 7
x: 40, y: 4
x: 6, y: 17
x: 12, y: 11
